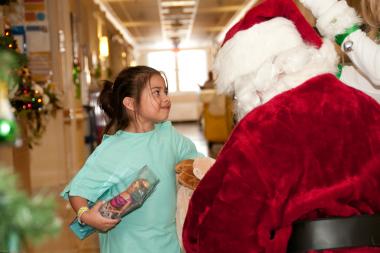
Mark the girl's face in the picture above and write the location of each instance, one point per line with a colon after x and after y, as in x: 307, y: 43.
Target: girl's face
x: 155, y: 103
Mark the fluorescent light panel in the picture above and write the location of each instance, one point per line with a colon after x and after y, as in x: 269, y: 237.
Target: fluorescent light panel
x: 177, y: 3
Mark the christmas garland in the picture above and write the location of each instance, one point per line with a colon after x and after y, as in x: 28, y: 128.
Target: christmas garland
x: 34, y: 103
x: 24, y: 219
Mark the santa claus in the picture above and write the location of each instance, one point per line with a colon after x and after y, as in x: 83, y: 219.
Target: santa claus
x: 307, y: 146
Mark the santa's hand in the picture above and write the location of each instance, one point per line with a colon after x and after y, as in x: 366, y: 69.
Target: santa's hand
x: 202, y: 165
x: 94, y: 219
x: 318, y: 7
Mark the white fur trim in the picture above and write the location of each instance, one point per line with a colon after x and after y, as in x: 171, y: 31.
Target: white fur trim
x: 248, y: 49
x: 318, y: 7
x: 290, y: 68
x: 337, y: 19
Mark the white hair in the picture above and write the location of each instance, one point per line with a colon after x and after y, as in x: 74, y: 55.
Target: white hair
x: 284, y: 71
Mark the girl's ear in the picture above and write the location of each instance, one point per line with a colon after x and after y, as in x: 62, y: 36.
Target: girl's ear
x: 129, y: 103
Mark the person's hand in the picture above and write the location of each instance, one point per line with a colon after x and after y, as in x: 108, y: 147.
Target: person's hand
x: 94, y: 219
x: 318, y: 7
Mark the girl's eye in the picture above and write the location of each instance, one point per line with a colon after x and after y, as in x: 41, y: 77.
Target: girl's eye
x: 156, y: 92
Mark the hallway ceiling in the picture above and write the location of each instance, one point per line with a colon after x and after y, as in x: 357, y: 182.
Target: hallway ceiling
x: 152, y: 21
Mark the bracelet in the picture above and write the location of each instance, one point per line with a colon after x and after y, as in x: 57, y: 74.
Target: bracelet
x: 80, y: 212
x: 340, y: 37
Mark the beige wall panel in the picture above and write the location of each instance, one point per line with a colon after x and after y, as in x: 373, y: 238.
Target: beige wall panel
x: 48, y: 159
x: 6, y: 157
x: 83, y: 152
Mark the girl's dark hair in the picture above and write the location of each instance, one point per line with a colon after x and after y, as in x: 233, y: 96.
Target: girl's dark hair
x: 129, y: 83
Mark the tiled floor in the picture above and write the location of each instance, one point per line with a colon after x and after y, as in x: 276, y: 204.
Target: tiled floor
x: 193, y: 131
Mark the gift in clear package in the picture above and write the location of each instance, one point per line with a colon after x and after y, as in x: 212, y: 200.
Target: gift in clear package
x: 125, y: 202
x: 132, y: 198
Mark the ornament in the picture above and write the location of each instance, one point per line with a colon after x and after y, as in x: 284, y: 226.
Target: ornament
x: 8, y: 131
x: 348, y: 46
x: 8, y: 127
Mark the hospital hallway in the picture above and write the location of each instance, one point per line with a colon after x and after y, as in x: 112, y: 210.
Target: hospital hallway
x: 57, y: 56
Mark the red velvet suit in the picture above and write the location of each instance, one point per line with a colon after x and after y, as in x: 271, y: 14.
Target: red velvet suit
x: 310, y: 152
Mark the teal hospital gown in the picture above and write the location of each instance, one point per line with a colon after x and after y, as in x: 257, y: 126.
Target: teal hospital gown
x: 150, y: 228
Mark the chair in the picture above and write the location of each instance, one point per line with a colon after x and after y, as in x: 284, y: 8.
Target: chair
x: 217, y: 117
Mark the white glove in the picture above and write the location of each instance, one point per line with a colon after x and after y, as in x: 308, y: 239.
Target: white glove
x: 318, y: 7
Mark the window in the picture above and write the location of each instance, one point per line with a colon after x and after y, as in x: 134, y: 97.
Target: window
x: 165, y: 61
x: 192, y: 68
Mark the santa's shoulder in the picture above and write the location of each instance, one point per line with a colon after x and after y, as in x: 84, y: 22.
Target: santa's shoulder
x: 319, y: 102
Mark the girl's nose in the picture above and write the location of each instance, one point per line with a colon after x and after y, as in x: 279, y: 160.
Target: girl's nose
x: 165, y: 98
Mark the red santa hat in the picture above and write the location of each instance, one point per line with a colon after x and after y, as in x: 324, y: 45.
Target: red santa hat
x: 267, y: 30
x: 270, y: 9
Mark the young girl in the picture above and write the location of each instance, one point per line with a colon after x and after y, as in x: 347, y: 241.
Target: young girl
x: 137, y: 134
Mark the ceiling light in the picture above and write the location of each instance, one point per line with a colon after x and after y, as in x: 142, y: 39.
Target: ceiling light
x: 177, y: 3
x: 103, y: 47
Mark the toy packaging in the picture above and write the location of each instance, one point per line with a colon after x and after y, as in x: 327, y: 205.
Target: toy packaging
x: 125, y: 202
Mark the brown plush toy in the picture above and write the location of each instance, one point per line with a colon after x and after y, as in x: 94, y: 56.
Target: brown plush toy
x: 186, y: 176
x: 190, y: 172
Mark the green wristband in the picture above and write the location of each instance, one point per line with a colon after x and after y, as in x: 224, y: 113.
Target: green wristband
x: 340, y: 37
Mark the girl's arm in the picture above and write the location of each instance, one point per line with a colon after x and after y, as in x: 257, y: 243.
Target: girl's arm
x: 92, y: 217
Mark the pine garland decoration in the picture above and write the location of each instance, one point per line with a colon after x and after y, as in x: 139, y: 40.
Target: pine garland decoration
x: 34, y: 103
x: 24, y: 219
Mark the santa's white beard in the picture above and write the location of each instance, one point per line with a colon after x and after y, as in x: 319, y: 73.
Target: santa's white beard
x: 281, y: 73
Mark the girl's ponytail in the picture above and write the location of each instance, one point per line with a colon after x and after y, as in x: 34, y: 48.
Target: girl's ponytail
x: 105, y: 102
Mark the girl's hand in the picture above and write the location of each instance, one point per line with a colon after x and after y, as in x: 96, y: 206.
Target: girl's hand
x: 94, y: 219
